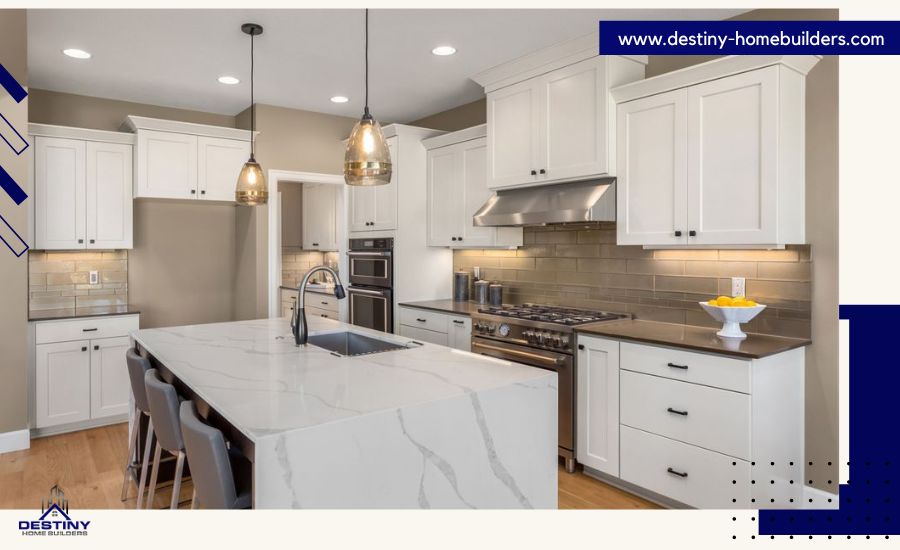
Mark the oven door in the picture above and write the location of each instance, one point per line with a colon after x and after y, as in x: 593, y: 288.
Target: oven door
x: 371, y: 308
x: 371, y: 268
x: 560, y: 363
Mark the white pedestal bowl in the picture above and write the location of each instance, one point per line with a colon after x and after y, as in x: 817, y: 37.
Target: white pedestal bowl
x: 731, y: 318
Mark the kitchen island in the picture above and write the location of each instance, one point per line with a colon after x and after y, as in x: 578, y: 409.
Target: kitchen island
x: 425, y: 426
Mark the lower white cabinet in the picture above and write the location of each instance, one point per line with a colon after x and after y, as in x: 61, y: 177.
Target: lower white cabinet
x: 80, y: 373
x: 443, y: 329
x: 317, y: 304
x: 598, y: 404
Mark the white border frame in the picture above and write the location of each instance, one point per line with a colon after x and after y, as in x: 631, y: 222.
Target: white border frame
x: 274, y: 244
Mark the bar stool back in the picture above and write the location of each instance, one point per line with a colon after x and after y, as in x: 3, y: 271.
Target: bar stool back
x: 137, y: 367
x: 164, y: 401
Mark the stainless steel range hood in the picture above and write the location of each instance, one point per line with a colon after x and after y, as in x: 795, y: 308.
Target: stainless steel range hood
x: 583, y: 201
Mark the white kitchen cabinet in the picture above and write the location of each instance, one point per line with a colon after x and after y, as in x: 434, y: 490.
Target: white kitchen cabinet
x: 166, y: 165
x: 713, y: 155
x: 457, y: 189
x: 320, y: 217
x: 80, y: 374
x: 443, y: 329
x: 374, y: 208
x: 83, y: 189
x: 556, y: 125
x: 598, y: 404
x: 459, y: 333
x: 219, y: 163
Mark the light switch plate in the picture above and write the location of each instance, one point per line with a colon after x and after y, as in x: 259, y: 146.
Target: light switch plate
x: 95, y: 277
x: 738, y: 286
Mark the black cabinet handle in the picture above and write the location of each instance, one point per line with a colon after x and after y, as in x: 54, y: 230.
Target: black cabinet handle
x: 458, y: 238
x: 452, y: 238
x: 678, y: 233
x: 692, y: 233
x: 203, y: 192
x: 677, y: 366
x: 96, y: 347
x: 420, y: 320
x: 581, y: 346
x: 193, y: 191
x: 315, y: 244
x: 91, y: 241
x: 323, y: 315
x: 543, y: 171
x: 676, y: 472
x: 89, y: 330
x: 459, y: 322
x: 80, y: 241
x: 83, y: 348
x: 534, y: 172
x: 676, y: 411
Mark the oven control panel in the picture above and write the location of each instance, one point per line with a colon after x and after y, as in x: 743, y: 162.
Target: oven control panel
x: 511, y: 332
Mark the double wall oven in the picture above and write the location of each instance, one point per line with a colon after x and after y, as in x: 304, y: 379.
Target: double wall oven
x: 370, y: 293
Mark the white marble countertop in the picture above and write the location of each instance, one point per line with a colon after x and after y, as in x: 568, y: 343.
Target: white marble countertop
x: 253, y: 375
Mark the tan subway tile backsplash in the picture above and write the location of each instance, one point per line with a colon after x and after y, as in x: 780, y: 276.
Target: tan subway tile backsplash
x: 580, y: 265
x: 62, y: 279
x: 295, y: 262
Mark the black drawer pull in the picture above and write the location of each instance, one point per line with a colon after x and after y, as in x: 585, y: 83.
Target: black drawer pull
x: 676, y: 472
x: 324, y: 303
x: 677, y: 366
x: 459, y: 322
x: 676, y: 411
x: 692, y: 233
x: 678, y: 233
x: 420, y: 320
x: 88, y: 330
x: 581, y: 346
x: 83, y: 348
x: 96, y: 347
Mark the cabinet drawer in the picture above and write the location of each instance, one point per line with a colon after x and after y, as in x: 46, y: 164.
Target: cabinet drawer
x: 699, y: 368
x: 715, y: 419
x: 312, y: 311
x: 79, y: 329
x: 423, y: 335
x: 322, y: 301
x: 421, y: 318
x: 688, y: 474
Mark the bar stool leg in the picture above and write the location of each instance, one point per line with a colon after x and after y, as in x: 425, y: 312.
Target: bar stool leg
x: 176, y: 485
x: 146, y: 463
x: 194, y: 500
x: 133, y: 437
x: 156, y: 459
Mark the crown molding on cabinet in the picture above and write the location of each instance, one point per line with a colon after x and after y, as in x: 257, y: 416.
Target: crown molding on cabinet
x: 85, y: 134
x: 711, y: 70
x: 543, y: 61
x: 467, y: 134
x: 134, y: 123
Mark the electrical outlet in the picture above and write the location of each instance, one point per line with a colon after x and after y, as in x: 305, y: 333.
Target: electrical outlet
x: 738, y: 286
x: 95, y: 277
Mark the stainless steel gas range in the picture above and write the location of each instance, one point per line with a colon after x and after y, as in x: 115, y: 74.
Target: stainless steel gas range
x: 543, y: 337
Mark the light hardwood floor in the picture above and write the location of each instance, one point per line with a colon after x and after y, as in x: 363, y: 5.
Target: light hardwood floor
x: 87, y: 465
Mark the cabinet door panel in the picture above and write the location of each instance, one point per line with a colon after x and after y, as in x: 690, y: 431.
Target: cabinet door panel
x: 220, y: 163
x: 167, y: 165
x: 108, y: 195
x: 445, y: 196
x: 460, y: 335
x: 386, y: 195
x: 320, y: 217
x: 362, y: 208
x: 475, y: 192
x: 732, y: 170
x: 598, y: 404
x: 62, y: 383
x: 513, y: 134
x: 110, y: 386
x: 651, y: 197
x: 59, y: 189
x: 574, y: 121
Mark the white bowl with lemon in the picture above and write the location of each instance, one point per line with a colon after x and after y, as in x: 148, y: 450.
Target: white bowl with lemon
x: 731, y: 312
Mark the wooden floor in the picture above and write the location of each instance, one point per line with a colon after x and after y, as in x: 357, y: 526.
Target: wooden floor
x: 87, y: 465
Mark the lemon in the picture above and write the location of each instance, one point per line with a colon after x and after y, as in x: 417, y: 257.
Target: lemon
x: 712, y: 302
x: 751, y: 303
x: 723, y: 301
x: 738, y: 301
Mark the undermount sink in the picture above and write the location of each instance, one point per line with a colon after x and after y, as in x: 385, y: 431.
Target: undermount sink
x: 351, y: 343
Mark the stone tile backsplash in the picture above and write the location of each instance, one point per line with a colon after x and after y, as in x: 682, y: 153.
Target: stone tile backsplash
x: 62, y: 279
x: 580, y: 265
x: 295, y: 262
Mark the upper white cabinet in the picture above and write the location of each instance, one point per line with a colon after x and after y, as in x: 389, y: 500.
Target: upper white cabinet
x: 82, y: 188
x: 714, y: 154
x: 550, y: 117
x: 457, y: 188
x: 320, y: 216
x: 177, y: 160
x: 374, y: 208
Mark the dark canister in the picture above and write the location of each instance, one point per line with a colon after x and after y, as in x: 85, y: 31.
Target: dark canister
x: 461, y: 286
x: 481, y: 291
x: 496, y: 294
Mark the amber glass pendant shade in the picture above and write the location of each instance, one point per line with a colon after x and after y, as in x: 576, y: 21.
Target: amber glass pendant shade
x: 368, y: 159
x: 251, y: 187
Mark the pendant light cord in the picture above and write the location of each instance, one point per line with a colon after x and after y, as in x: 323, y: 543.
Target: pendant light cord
x: 252, y: 104
x: 366, y: 112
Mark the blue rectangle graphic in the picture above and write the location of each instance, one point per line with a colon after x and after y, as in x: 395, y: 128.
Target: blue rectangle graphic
x: 12, y: 85
x: 11, y: 238
x: 749, y: 37
x: 16, y: 193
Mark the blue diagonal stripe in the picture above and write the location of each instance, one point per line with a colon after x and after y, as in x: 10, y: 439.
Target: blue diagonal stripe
x: 12, y: 85
x: 12, y: 188
x: 11, y: 238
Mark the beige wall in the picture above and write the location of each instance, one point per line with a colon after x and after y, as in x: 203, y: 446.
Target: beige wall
x: 13, y: 270
x: 464, y: 116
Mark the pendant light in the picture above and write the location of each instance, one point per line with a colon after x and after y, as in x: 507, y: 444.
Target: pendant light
x: 367, y: 160
x: 251, y: 187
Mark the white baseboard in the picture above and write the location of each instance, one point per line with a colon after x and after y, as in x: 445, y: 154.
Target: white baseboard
x: 14, y: 441
x: 820, y: 499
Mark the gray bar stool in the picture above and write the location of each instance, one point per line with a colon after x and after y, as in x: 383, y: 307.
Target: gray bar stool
x: 164, y: 401
x: 213, y: 465
x: 137, y: 367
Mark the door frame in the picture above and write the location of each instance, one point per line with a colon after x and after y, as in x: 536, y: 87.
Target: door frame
x: 275, y: 177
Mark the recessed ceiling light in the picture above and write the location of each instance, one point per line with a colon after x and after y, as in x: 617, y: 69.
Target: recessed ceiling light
x: 230, y: 80
x: 76, y: 53
x: 340, y: 99
x: 444, y: 50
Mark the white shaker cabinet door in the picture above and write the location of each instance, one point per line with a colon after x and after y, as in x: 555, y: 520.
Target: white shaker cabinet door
x: 475, y: 192
x: 598, y: 404
x: 109, y: 195
x: 110, y: 386
x: 362, y: 208
x: 59, y: 194
x: 460, y: 333
x: 219, y: 163
x: 514, y: 134
x: 386, y: 195
x: 444, y: 196
x: 62, y: 383
x: 166, y: 165
x: 732, y: 159
x: 651, y: 194
x: 320, y: 217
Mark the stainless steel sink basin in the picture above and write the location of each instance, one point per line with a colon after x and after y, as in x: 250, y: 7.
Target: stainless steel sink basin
x: 350, y: 343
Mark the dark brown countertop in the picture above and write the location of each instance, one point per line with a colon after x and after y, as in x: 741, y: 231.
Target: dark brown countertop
x: 755, y: 346
x: 78, y: 312
x: 446, y: 306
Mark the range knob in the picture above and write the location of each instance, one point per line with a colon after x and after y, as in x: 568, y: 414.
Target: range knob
x: 529, y: 335
x: 555, y: 341
x: 564, y: 341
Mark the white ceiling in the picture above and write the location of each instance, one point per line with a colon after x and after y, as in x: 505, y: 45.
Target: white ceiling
x: 304, y: 57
